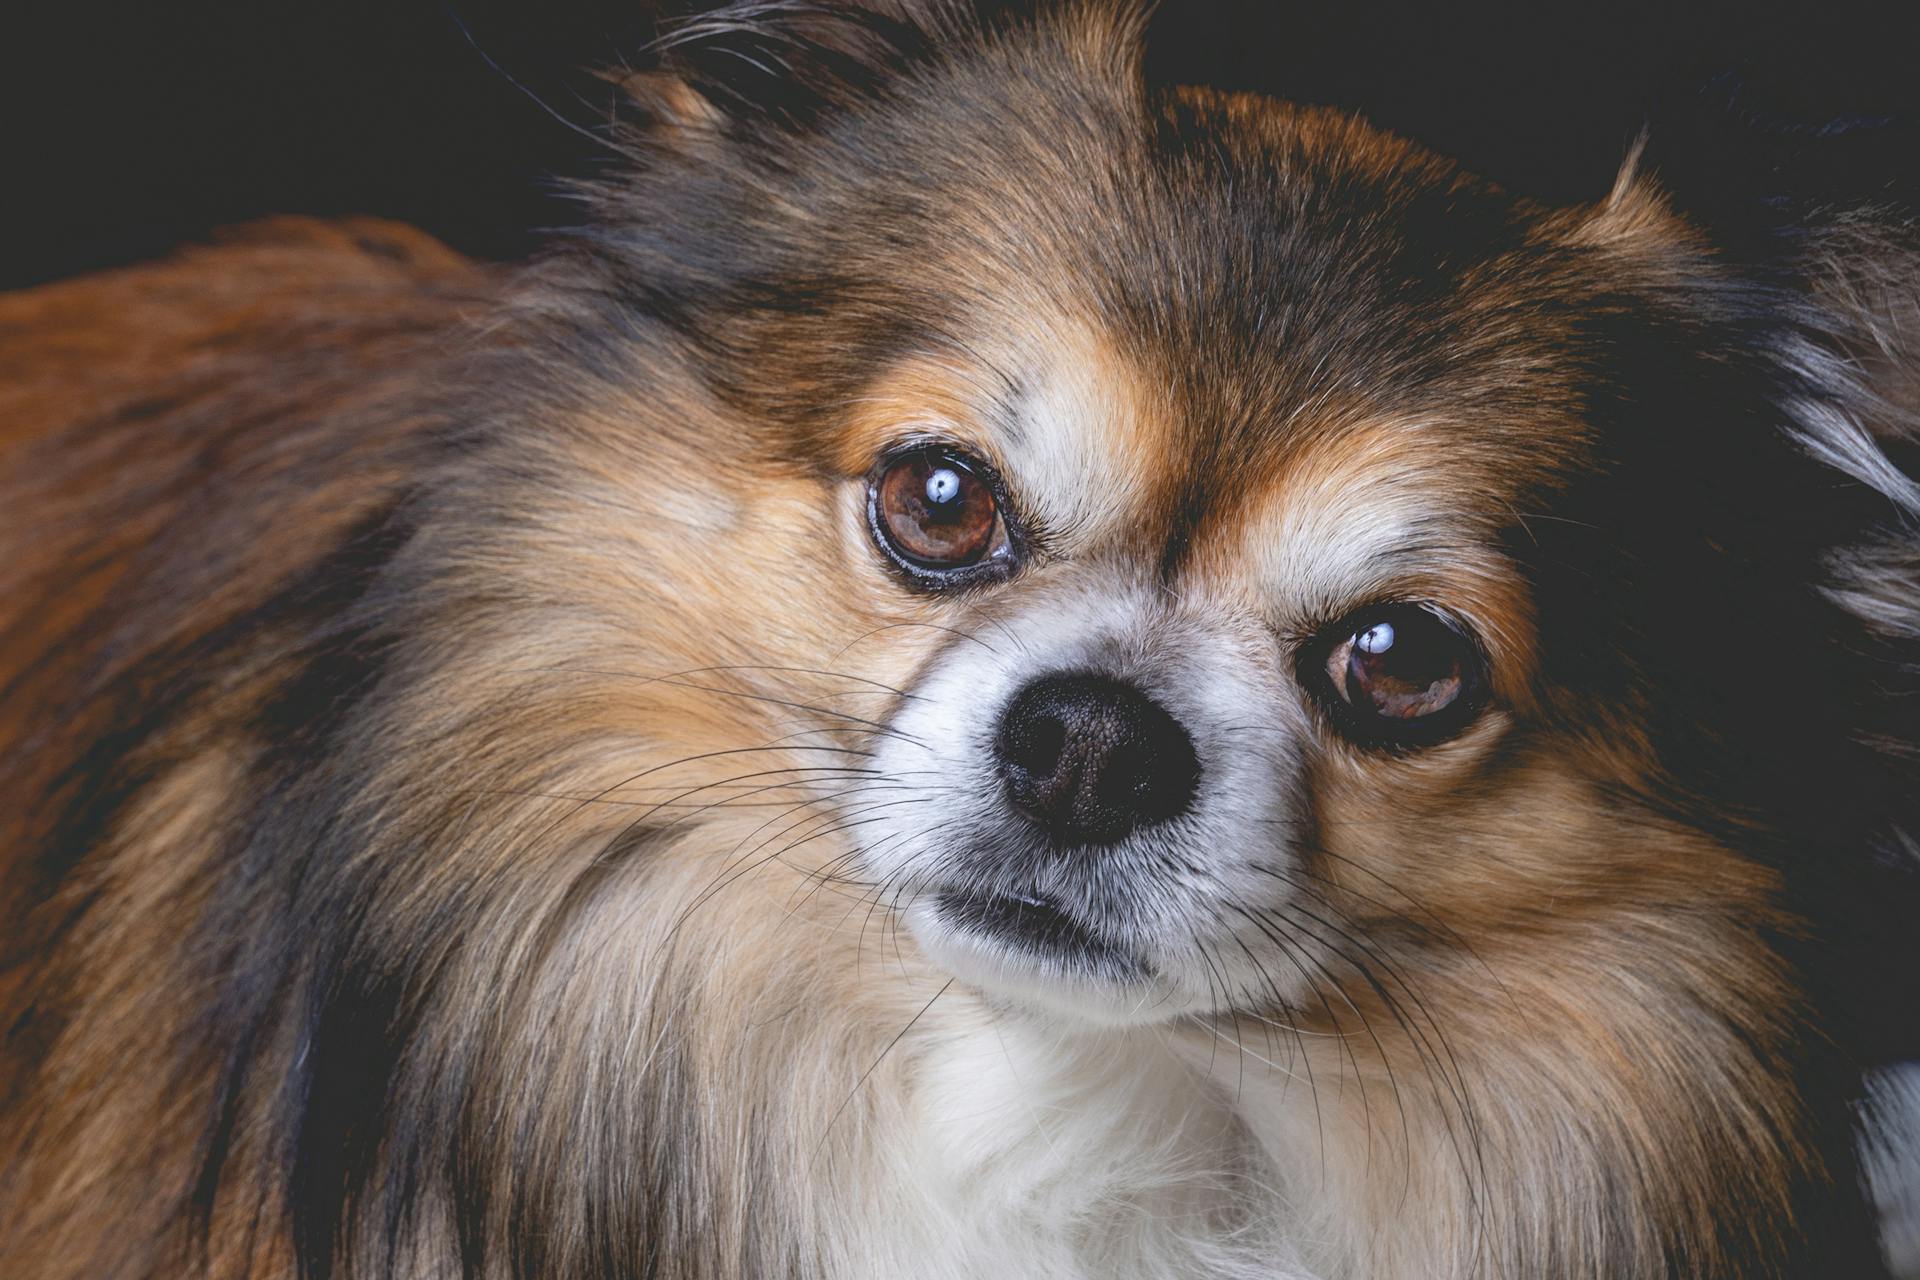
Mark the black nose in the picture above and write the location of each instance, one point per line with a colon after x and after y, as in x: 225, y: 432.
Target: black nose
x: 1090, y: 758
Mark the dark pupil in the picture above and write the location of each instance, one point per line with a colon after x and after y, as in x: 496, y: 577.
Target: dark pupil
x: 1405, y: 668
x: 937, y: 512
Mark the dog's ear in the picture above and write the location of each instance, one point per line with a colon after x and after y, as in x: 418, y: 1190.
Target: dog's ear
x: 781, y: 64
x: 1811, y: 228
x: 1824, y: 211
x: 1830, y: 221
x: 753, y: 65
x: 1816, y: 224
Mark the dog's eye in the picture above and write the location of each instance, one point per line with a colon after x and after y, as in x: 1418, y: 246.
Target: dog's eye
x: 1402, y: 674
x: 934, y: 511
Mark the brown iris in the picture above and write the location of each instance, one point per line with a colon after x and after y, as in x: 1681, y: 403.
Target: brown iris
x: 934, y: 510
x: 1402, y: 672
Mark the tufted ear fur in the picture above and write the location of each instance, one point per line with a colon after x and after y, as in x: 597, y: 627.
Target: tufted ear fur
x: 1860, y: 338
x: 1818, y: 228
x: 781, y: 63
x: 1865, y: 272
x: 753, y: 65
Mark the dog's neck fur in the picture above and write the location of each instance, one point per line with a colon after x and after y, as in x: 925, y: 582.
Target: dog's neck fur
x: 893, y: 1122
x: 1028, y: 1151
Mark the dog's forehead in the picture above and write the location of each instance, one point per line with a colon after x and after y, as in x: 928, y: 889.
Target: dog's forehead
x: 1266, y: 337
x: 1258, y: 284
x: 1340, y: 500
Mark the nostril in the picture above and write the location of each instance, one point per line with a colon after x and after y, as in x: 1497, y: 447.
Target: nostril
x: 1090, y: 758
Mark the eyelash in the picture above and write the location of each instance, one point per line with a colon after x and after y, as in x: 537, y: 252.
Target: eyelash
x: 1310, y: 663
x: 994, y: 568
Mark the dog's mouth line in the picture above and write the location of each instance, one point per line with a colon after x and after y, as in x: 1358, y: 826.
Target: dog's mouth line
x: 1036, y: 924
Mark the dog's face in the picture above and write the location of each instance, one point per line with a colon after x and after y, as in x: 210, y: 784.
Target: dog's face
x: 1196, y: 655
x: 1284, y: 549
x: 1191, y: 677
x: 1215, y: 617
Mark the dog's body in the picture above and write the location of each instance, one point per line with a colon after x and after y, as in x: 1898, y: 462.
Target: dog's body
x: 499, y: 792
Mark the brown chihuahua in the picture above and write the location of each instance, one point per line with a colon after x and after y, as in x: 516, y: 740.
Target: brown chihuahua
x: 998, y: 673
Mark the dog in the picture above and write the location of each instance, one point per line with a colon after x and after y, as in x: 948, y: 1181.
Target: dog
x: 994, y: 671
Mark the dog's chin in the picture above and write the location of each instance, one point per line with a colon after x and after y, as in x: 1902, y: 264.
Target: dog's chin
x: 1023, y: 953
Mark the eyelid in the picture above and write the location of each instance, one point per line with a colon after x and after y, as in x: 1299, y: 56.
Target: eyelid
x: 1313, y: 666
x: 934, y: 438
x: 1023, y: 522
x: 1013, y: 547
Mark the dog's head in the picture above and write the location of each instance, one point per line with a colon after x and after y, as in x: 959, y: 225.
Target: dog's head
x: 1187, y: 560
x: 1277, y: 551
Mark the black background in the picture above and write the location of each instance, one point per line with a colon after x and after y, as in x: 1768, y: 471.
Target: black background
x: 125, y: 129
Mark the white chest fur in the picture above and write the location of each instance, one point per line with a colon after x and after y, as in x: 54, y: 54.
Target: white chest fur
x: 1026, y: 1153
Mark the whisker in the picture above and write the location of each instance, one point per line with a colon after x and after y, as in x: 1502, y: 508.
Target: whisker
x: 891, y: 626
x: 1447, y: 1073
x: 1226, y: 1003
x: 743, y: 866
x: 865, y: 1075
x: 692, y: 759
x: 1391, y: 969
x: 669, y: 677
x: 1386, y: 1059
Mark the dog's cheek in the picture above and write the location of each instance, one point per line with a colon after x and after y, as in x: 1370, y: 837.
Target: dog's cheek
x: 671, y: 560
x: 1513, y: 827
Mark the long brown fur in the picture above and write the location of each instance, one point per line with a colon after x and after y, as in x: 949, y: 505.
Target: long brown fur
x: 439, y: 704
